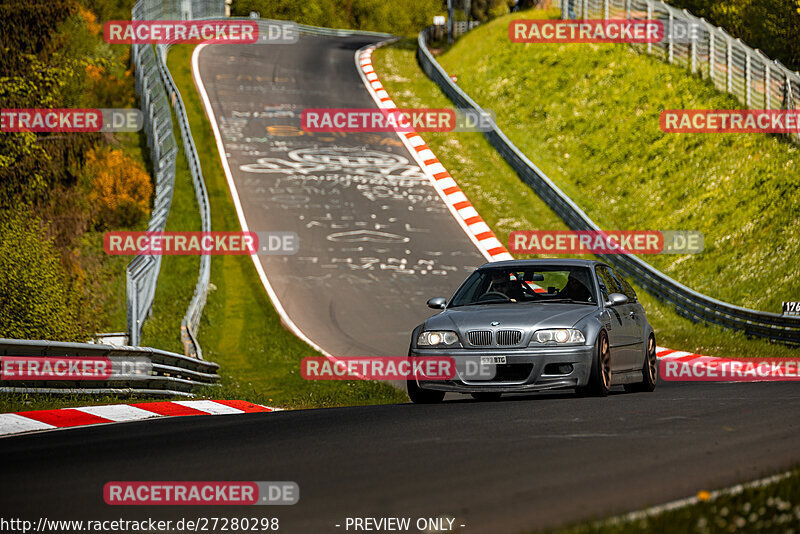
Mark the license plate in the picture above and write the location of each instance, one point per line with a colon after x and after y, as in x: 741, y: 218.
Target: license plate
x: 493, y: 360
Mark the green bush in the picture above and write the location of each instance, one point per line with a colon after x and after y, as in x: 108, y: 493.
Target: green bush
x: 37, y: 299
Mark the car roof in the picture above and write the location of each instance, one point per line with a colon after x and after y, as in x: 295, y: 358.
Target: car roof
x: 567, y: 262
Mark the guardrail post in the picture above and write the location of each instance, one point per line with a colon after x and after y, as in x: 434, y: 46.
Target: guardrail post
x: 585, y: 10
x: 767, y: 88
x: 451, y: 14
x: 693, y: 51
x: 628, y: 9
x: 605, y: 9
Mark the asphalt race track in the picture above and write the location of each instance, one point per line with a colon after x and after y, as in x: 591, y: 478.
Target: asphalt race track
x: 524, y: 462
x: 376, y: 240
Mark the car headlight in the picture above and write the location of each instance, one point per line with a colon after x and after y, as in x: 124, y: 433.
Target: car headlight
x: 437, y: 337
x: 559, y: 335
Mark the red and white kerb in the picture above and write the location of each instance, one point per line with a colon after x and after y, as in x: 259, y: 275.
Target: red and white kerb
x: 445, y: 185
x: 21, y: 422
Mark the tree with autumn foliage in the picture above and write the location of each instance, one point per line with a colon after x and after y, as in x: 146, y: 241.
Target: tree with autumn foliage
x: 121, y: 188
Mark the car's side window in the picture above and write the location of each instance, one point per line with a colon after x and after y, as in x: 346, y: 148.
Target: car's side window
x: 607, y: 282
x: 627, y: 290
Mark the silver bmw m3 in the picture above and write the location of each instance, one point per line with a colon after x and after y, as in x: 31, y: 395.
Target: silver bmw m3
x: 532, y: 325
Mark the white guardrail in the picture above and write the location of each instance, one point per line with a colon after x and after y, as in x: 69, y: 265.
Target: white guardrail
x: 169, y: 374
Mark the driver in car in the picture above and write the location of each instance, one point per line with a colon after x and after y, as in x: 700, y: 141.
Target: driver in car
x: 502, y: 283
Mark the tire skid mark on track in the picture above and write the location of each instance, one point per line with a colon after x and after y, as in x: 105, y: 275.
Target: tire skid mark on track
x: 44, y: 420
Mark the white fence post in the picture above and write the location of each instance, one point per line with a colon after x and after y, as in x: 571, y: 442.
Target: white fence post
x: 649, y: 18
x: 670, y: 38
x: 747, y: 78
x: 711, y: 52
x: 729, y: 61
x: 605, y: 9
x: 768, y: 89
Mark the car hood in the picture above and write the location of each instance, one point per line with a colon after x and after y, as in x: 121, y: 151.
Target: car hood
x: 522, y: 316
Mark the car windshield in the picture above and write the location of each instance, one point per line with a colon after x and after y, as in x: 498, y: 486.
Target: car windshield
x: 557, y: 283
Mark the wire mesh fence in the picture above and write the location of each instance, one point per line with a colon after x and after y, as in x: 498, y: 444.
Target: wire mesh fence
x: 757, y: 81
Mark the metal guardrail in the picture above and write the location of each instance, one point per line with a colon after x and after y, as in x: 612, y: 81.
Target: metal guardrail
x: 156, y: 90
x: 142, y: 272
x: 687, y: 302
x: 191, y: 321
x: 756, y: 80
x: 171, y: 375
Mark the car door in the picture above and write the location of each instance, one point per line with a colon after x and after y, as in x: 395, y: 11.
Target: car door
x: 617, y: 322
x: 637, y: 320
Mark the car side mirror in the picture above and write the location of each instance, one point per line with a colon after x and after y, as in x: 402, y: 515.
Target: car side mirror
x: 616, y: 299
x: 437, y: 303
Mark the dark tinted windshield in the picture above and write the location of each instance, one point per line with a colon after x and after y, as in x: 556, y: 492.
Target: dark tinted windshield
x: 557, y: 283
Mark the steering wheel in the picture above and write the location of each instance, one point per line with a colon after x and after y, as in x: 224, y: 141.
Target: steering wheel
x: 492, y: 295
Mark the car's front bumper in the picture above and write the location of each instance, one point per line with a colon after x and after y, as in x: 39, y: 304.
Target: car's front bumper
x: 527, y: 369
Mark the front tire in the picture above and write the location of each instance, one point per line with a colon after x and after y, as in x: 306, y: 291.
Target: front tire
x: 423, y: 396
x: 649, y: 370
x: 600, y: 375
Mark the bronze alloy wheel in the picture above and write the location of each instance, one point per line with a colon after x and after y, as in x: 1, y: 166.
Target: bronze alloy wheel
x: 604, y: 356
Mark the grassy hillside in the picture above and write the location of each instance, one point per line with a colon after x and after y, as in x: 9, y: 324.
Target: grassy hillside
x: 507, y: 204
x: 587, y: 115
